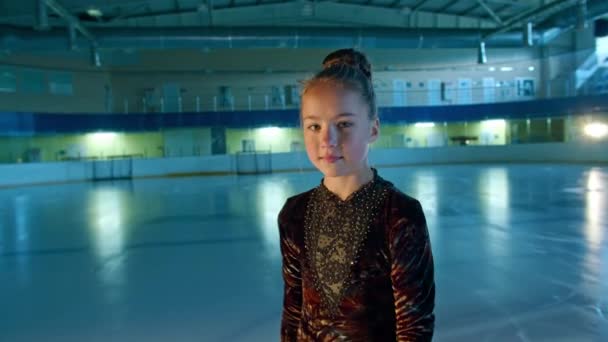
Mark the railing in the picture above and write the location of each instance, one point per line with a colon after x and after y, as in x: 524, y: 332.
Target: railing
x: 446, y: 94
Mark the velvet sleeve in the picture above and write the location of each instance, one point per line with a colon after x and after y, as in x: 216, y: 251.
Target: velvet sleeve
x: 412, y: 271
x: 292, y: 296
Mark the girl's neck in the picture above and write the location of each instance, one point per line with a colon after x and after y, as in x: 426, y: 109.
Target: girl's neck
x: 344, y: 186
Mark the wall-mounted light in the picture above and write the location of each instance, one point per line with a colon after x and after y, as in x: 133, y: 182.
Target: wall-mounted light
x: 596, y: 130
x: 102, y: 137
x: 495, y: 123
x: 270, y: 132
x: 424, y: 124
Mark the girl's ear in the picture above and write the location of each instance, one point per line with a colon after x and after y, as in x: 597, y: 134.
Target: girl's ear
x: 375, y: 130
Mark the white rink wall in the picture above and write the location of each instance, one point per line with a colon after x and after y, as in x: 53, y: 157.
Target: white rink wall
x: 62, y: 172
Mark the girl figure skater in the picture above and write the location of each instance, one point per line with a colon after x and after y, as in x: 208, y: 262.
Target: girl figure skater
x: 357, y: 261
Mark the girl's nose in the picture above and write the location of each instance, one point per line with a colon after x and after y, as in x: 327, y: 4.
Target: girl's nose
x: 329, y: 137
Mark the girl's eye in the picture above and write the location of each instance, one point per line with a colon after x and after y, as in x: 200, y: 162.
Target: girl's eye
x: 314, y: 127
x: 344, y: 124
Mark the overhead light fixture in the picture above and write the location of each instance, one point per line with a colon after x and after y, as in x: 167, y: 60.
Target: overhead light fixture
x: 531, y: 68
x: 506, y: 68
x: 481, y: 53
x: 71, y: 36
x: 581, y: 15
x: 528, y: 34
x: 424, y: 124
x: 42, y: 19
x: 492, y: 69
x: 95, y: 59
x: 95, y: 12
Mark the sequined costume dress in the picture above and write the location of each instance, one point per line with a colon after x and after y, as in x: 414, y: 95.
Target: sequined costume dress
x: 356, y: 270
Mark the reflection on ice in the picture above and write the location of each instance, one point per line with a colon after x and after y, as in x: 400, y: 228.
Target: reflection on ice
x: 271, y: 195
x: 106, y: 208
x: 595, y: 207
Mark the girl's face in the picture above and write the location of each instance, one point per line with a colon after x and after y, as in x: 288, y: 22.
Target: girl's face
x: 337, y: 129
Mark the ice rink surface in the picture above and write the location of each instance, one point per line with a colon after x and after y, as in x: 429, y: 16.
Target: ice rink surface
x: 521, y: 254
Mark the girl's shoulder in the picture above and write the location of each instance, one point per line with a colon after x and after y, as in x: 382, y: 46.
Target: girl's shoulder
x: 295, y: 207
x: 404, y: 216
x: 401, y: 204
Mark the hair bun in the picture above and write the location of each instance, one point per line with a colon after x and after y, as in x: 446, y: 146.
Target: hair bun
x: 351, y: 58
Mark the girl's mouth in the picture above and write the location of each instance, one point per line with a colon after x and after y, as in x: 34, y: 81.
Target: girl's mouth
x: 331, y: 159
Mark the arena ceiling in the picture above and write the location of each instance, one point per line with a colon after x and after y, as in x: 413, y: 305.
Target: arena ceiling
x: 43, y: 24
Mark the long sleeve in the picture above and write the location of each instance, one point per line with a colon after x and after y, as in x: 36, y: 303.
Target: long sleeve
x: 292, y: 297
x: 412, y: 272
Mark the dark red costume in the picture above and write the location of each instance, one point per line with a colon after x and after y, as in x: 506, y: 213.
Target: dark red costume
x: 356, y: 270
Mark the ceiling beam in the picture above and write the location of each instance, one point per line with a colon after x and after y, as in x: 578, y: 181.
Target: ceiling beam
x: 418, y: 5
x: 258, y: 37
x: 396, y: 3
x: 67, y: 16
x: 326, y: 12
x: 512, y: 3
x: 530, y: 14
x: 490, y: 12
x: 504, y: 7
x: 125, y: 13
x: 468, y: 10
x: 446, y: 6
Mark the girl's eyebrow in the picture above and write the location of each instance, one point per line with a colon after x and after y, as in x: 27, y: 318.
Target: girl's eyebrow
x: 311, y: 117
x: 314, y: 117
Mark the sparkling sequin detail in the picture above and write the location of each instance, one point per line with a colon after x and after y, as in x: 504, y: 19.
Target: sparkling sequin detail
x: 335, y: 231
